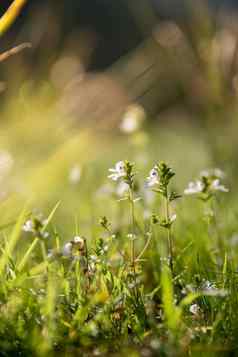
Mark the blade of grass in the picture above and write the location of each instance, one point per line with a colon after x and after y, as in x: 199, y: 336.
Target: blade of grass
x: 27, y: 254
x: 15, y: 235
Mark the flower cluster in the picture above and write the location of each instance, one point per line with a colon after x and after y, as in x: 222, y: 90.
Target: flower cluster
x: 36, y: 226
x: 118, y: 172
x: 208, y: 184
x: 77, y: 244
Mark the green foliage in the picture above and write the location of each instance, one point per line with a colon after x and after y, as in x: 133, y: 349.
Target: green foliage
x: 123, y: 290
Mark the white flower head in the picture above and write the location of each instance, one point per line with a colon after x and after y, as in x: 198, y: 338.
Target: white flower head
x: 75, y: 174
x: 28, y: 226
x: 213, y: 173
x: 131, y: 236
x: 118, y: 172
x: 173, y: 218
x: 217, y: 186
x: 79, y: 242
x: 194, y: 188
x: 219, y: 173
x: 194, y: 309
x: 153, y: 178
x: 67, y: 249
x: 133, y: 119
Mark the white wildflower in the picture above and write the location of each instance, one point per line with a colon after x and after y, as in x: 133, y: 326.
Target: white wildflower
x: 131, y: 236
x: 155, y: 344
x: 118, y: 172
x: 45, y: 235
x: 213, y: 172
x: 133, y: 119
x: 173, y: 218
x: 153, y: 178
x: 67, y: 249
x: 219, y: 173
x: 210, y: 289
x: 194, y: 187
x: 129, y: 124
x: 208, y: 285
x: 194, y: 309
x: 28, y: 226
x: 75, y: 174
x: 217, y: 186
x: 79, y: 241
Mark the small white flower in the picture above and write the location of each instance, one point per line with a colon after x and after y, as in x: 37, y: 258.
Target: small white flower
x: 216, y: 186
x: 213, y: 172
x: 118, y: 172
x: 173, y: 218
x: 45, y: 235
x: 75, y: 174
x: 131, y: 236
x: 129, y: 124
x: 79, y: 242
x: 219, y: 173
x: 194, y: 187
x: 94, y: 258
x: 28, y: 226
x: 133, y: 119
x: 194, y: 309
x: 155, y: 344
x: 67, y: 249
x: 153, y: 178
x: 208, y: 285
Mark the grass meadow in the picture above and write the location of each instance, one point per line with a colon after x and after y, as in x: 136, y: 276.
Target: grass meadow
x: 140, y: 263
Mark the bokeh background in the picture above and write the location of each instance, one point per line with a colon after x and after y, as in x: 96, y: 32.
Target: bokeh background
x: 104, y: 81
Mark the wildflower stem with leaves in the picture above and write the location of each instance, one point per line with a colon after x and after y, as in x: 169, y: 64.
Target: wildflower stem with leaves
x: 206, y: 189
x: 159, y: 179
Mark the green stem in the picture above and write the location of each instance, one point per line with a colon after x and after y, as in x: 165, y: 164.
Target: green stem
x: 133, y: 237
x: 145, y: 247
x: 218, y: 236
x: 169, y: 236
